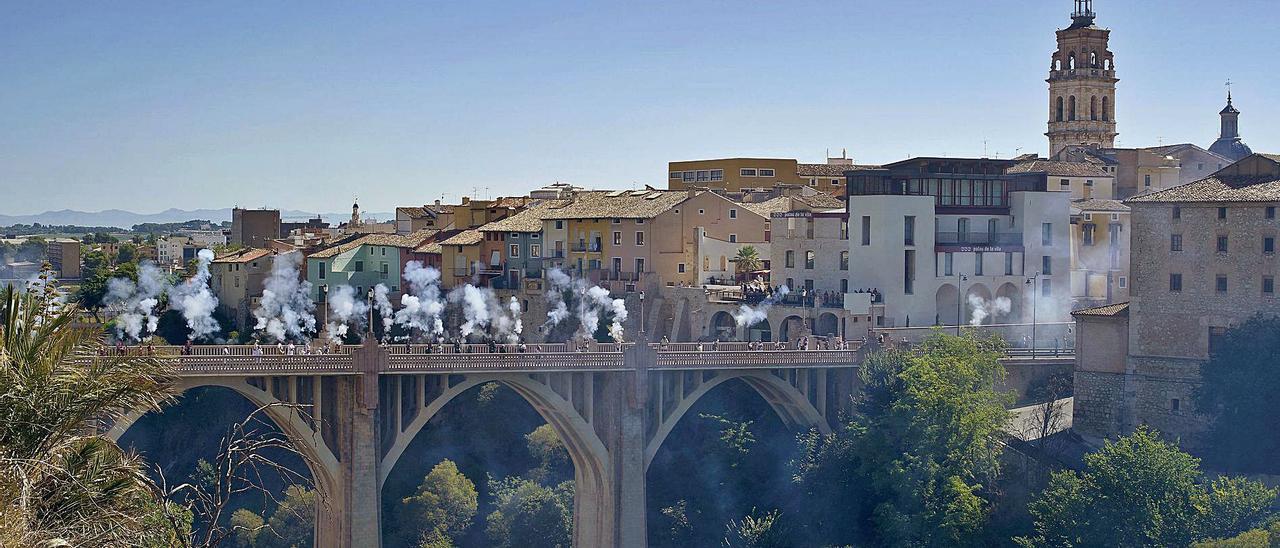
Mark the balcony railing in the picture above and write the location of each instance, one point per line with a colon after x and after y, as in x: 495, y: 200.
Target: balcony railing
x: 592, y: 247
x: 977, y: 238
x: 616, y: 276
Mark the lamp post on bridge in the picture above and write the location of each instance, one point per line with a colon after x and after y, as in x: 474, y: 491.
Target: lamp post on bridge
x: 1034, y: 282
x: 642, y: 339
x: 324, y: 292
x: 960, y: 278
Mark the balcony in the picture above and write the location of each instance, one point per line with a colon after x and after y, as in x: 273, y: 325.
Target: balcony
x: 616, y: 276
x: 978, y: 238
x: 581, y: 247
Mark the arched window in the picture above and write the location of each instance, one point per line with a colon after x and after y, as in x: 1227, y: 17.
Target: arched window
x: 1057, y: 64
x: 1071, y: 108
x: 1093, y: 59
x: 1058, y: 115
x: 1107, y: 64
x: 1071, y: 61
x: 1093, y: 107
x: 1106, y: 114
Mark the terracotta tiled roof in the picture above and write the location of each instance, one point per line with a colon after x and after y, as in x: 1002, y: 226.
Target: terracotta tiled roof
x: 1226, y: 188
x: 389, y: 240
x: 466, y: 237
x: 829, y: 170
x: 769, y: 207
x: 424, y: 211
x: 430, y: 248
x: 1117, y: 309
x: 821, y: 200
x: 1096, y: 204
x: 529, y: 220
x: 1059, y: 169
x: 242, y: 255
x: 620, y: 204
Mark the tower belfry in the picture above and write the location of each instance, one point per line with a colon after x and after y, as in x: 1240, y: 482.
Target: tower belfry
x: 1082, y: 85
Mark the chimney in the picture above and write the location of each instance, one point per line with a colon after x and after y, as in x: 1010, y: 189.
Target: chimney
x: 437, y: 202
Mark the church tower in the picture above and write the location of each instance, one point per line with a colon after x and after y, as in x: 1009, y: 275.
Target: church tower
x: 1082, y: 85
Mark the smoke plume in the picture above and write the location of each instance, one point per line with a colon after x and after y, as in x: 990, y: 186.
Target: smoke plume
x: 982, y: 308
x: 421, y: 305
x: 286, y: 310
x: 136, y: 302
x: 383, y: 304
x: 747, y: 316
x: 195, y: 300
x: 346, y: 310
x: 591, y: 302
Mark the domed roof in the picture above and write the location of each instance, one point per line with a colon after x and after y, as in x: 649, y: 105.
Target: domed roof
x: 1232, y: 149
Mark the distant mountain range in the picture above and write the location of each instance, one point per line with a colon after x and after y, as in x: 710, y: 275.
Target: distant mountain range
x: 126, y: 219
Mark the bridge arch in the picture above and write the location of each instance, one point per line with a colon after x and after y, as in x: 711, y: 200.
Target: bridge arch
x: 593, y: 497
x: 792, y: 328
x: 723, y: 327
x: 326, y: 471
x: 792, y: 399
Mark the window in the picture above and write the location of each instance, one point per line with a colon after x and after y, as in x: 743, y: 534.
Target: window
x: 1046, y: 287
x: 717, y: 175
x: 514, y: 251
x: 808, y: 228
x: 1088, y: 233
x: 1222, y: 244
x: 1175, y: 404
x: 866, y: 230
x: 1008, y: 263
x: 616, y: 221
x: 1268, y: 285
x: 1146, y: 180
x: 559, y: 225
x: 844, y: 285
x: 534, y: 236
x: 236, y: 279
x: 1222, y: 213
x: 639, y: 221
x: 1175, y: 282
x: 702, y: 212
x: 977, y: 264
x: 689, y: 176
x: 384, y: 251
x: 909, y: 230
x: 962, y: 229
x: 358, y: 266
x: 1268, y: 244
x: 640, y: 265
x: 835, y: 182
x: 384, y: 270
x: 733, y: 214
x: 639, y: 238
x: 809, y: 259
x: 948, y: 261
x: 1217, y: 336
x: 733, y: 238
x: 747, y: 172
x: 1064, y: 182
x: 1177, y: 212
x: 1088, y: 182
x: 1046, y: 265
x: 1220, y: 283
x: 704, y: 175
x: 844, y: 260
x: 766, y: 173
x: 617, y: 238
x: 675, y: 175
x: 909, y: 271
x: 790, y: 259
x: 1124, y: 282
x: 1046, y: 234
x: 535, y: 251
x: 1175, y: 242
x: 322, y: 270
x: 1271, y: 212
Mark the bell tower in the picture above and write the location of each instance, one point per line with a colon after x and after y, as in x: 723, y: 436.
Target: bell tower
x: 1082, y: 85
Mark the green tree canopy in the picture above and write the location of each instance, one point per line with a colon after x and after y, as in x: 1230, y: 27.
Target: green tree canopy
x: 1238, y: 388
x: 747, y: 260
x: 445, y: 503
x: 529, y: 515
x: 1141, y: 491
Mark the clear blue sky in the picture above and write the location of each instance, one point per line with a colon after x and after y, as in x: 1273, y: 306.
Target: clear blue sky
x: 145, y: 106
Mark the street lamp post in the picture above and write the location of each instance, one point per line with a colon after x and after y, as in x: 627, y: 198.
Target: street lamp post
x: 1034, y: 281
x: 642, y: 339
x: 369, y: 301
x: 324, y: 291
x: 960, y: 278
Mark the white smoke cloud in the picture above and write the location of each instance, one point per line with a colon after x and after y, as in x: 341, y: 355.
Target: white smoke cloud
x: 195, y: 300
x: 747, y: 316
x: 286, y: 310
x: 475, y: 308
x: 346, y: 310
x: 592, y: 302
x: 136, y: 302
x: 382, y: 303
x: 421, y: 307
x: 982, y: 308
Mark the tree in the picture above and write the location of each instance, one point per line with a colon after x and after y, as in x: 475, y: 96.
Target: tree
x: 552, y: 456
x: 1237, y: 390
x: 746, y: 261
x: 1262, y: 537
x: 127, y: 253
x: 1141, y: 491
x: 247, y: 526
x: 529, y: 515
x: 444, y: 505
x: 293, y: 523
x: 765, y: 531
x: 916, y: 458
x: 59, y: 479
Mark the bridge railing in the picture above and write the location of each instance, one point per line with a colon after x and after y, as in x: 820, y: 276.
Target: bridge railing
x: 764, y: 359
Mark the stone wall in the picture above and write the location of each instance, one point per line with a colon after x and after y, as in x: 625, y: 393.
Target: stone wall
x: 1099, y: 404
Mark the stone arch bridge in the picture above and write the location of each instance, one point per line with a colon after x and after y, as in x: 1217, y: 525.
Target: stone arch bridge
x: 612, y: 405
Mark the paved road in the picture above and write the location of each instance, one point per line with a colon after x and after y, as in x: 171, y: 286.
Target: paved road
x: 1026, y: 422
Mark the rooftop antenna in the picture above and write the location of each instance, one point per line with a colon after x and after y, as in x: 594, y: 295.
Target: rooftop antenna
x: 984, y: 148
x: 1228, y: 91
